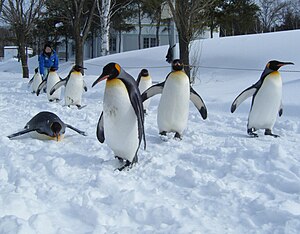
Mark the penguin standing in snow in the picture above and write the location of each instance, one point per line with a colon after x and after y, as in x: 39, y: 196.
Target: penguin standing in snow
x: 121, y: 123
x: 51, y: 79
x: 266, y: 101
x: 144, y: 81
x: 35, y: 81
x: 75, y: 86
x: 173, y: 108
x: 46, y: 126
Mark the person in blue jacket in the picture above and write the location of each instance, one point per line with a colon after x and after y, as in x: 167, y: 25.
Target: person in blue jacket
x: 47, y: 59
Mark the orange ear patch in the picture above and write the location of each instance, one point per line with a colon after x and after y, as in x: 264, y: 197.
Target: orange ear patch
x: 117, y: 66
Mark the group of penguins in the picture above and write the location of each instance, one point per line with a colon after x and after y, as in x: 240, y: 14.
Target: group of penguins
x: 121, y: 123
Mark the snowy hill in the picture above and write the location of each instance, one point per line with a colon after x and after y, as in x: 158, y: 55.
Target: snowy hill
x: 216, y: 180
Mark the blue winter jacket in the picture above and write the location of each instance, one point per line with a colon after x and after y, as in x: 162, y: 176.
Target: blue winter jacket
x: 47, y: 62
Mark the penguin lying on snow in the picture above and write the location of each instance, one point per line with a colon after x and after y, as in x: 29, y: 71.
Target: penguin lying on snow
x: 173, y: 108
x: 144, y: 82
x: 46, y: 125
x: 35, y: 81
x: 121, y: 123
x: 51, y: 79
x: 266, y: 101
x: 75, y: 86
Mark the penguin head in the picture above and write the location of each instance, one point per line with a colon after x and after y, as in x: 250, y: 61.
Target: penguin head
x: 56, y: 130
x: 52, y: 69
x: 274, y: 65
x: 36, y: 70
x: 78, y: 68
x: 110, y: 71
x: 144, y: 72
x: 177, y: 65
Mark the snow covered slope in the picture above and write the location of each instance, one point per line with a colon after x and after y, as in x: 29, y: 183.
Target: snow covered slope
x: 216, y: 180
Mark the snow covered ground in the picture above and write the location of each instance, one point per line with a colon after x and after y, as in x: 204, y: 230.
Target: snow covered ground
x: 216, y: 180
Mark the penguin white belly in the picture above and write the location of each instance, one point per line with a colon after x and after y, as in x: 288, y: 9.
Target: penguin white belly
x: 145, y: 83
x: 173, y: 108
x: 73, y: 91
x: 51, y: 81
x: 266, y: 103
x: 37, y: 80
x: 120, y: 120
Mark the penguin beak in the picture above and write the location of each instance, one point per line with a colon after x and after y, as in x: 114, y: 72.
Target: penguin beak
x: 100, y: 78
x: 285, y: 63
x: 57, y: 136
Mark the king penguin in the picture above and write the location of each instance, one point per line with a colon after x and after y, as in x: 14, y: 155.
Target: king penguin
x: 46, y: 126
x: 51, y: 79
x: 266, y: 100
x: 173, y: 108
x: 121, y: 122
x: 75, y: 86
x: 35, y: 81
x: 144, y: 81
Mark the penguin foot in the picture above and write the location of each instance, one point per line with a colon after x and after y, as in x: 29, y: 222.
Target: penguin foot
x: 269, y: 133
x: 251, y: 133
x: 126, y: 165
x: 177, y: 136
x: 163, y: 136
x: 119, y: 158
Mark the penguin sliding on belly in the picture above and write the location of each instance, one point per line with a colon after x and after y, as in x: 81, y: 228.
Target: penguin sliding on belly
x: 266, y: 101
x: 46, y: 126
x: 75, y: 86
x: 144, y: 82
x: 121, y: 123
x: 173, y: 108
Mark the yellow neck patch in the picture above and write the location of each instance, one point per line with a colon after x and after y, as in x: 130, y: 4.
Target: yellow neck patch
x: 114, y: 82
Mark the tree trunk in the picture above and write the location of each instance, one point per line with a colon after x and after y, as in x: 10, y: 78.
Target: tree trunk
x: 23, y: 56
x: 140, y: 26
x: 120, y: 40
x: 184, y: 53
x: 157, y: 33
x: 67, y: 48
x: 79, y: 51
x: 104, y: 11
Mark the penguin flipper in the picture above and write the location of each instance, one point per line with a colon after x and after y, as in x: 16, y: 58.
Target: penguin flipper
x: 41, y: 86
x: 153, y: 90
x: 198, y: 102
x: 138, y: 79
x: 137, y: 104
x: 100, y: 129
x: 84, y: 86
x: 30, y: 82
x: 280, y: 112
x: 58, y: 85
x: 20, y: 133
x: 76, y: 130
x: 243, y: 96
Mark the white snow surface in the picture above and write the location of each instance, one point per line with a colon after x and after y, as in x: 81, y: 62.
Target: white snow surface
x: 215, y: 180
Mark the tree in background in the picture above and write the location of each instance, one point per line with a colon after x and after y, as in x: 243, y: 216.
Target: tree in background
x: 21, y: 15
x: 189, y: 17
x: 106, y: 10
x: 271, y: 13
x: 237, y: 17
x: 291, y: 16
x: 75, y: 16
x: 153, y: 10
x: 120, y: 22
